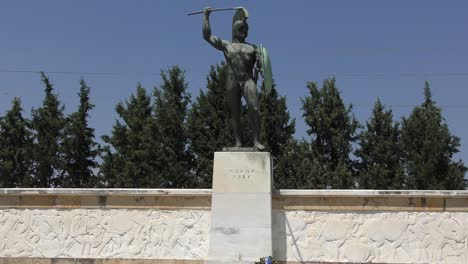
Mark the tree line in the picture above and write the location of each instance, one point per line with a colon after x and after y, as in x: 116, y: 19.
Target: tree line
x: 163, y: 140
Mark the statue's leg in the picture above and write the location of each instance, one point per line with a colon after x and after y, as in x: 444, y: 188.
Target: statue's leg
x: 233, y: 97
x: 251, y: 97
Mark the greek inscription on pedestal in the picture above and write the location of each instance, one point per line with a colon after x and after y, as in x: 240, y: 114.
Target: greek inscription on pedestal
x: 240, y: 174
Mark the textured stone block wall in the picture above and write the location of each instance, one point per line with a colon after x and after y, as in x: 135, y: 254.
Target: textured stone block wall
x: 109, y: 233
x: 172, y: 226
x: 371, y: 226
x: 377, y: 237
x: 104, y: 224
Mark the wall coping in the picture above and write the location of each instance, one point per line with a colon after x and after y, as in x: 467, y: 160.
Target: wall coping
x: 200, y: 199
x: 374, y: 193
x: 103, y: 192
x: 207, y: 192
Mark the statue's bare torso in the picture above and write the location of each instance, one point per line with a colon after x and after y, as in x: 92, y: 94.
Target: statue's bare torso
x: 242, y: 60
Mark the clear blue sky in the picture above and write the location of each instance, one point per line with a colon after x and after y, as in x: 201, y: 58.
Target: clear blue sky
x: 374, y: 48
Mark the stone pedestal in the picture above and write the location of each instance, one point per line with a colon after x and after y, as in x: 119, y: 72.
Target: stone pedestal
x: 241, y: 216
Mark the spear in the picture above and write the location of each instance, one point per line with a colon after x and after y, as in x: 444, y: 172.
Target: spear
x: 217, y: 9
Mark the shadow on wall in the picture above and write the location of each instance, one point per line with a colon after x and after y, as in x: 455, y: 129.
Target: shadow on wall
x: 281, y: 228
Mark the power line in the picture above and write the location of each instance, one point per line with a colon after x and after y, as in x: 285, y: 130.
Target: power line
x: 365, y: 105
x: 60, y: 72
x: 396, y: 74
x: 411, y: 106
x: 365, y: 75
x: 322, y: 75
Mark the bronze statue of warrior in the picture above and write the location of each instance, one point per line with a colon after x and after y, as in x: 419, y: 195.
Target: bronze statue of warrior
x: 244, y: 61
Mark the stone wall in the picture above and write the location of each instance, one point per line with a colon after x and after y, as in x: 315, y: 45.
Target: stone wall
x: 371, y: 226
x: 172, y: 226
x: 95, y: 233
x: 104, y: 224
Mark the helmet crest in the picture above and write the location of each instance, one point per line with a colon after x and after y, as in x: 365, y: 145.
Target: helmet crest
x: 240, y: 14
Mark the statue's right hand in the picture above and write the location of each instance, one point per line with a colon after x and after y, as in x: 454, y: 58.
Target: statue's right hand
x: 207, y: 11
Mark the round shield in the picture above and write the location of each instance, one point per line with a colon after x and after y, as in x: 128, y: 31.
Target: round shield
x: 266, y: 70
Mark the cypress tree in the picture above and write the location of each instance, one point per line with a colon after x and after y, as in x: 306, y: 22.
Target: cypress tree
x: 79, y: 146
x: 277, y: 130
x: 380, y: 152
x: 15, y: 153
x: 48, y: 123
x: 170, y: 111
x: 302, y: 171
x: 428, y: 149
x: 208, y: 125
x: 129, y: 161
x: 332, y: 127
